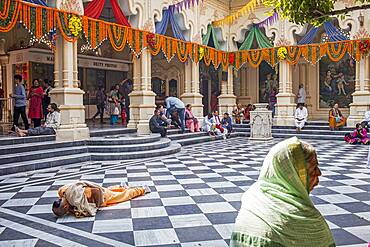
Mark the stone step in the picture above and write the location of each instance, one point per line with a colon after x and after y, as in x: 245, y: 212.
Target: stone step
x: 41, y: 154
x: 128, y: 139
x: 32, y: 165
x: 36, y: 146
x: 176, y: 131
x: 175, y: 137
x: 112, y: 131
x: 201, y: 139
x: 172, y: 149
x: 309, y: 136
x: 310, y: 131
x: 112, y: 148
x: 13, y: 140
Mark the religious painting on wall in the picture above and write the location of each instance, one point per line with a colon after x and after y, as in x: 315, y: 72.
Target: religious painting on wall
x: 268, y: 82
x: 337, y: 82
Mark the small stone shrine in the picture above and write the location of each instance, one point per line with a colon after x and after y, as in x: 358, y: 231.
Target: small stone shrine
x: 261, y: 123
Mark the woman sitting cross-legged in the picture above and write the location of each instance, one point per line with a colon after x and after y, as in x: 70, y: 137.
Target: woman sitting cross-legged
x: 336, y: 119
x: 359, y: 136
x: 52, y: 123
x: 277, y: 210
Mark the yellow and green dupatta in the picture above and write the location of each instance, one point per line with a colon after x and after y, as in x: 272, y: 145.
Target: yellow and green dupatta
x: 277, y: 211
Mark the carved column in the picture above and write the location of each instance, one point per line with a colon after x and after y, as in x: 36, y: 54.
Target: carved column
x: 285, y: 107
x: 244, y: 97
x: 304, y: 80
x: 227, y: 99
x: 66, y: 93
x: 361, y: 96
x: 191, y: 93
x: 142, y: 98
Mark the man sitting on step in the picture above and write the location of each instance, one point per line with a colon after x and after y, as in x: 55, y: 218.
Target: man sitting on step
x: 84, y: 198
x: 51, y: 124
x: 300, y: 116
x: 155, y: 126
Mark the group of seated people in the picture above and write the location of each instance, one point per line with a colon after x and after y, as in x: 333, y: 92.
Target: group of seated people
x: 359, y: 135
x: 239, y: 113
x: 214, y: 126
x: 336, y: 118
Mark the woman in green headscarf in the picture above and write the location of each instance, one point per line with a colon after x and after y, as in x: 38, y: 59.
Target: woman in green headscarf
x: 277, y: 211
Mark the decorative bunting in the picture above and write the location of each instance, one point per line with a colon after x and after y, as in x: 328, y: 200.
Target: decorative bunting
x: 183, y: 5
x: 248, y: 8
x: 43, y: 22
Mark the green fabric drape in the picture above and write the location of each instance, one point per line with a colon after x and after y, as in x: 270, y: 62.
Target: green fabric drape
x: 211, y: 32
x: 277, y: 211
x: 262, y: 40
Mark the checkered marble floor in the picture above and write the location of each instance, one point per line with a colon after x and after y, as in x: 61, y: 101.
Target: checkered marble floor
x: 194, y: 201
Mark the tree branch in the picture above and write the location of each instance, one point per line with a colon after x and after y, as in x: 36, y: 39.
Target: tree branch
x: 320, y: 15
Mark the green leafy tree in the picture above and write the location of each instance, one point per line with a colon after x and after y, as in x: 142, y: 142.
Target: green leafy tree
x: 312, y: 11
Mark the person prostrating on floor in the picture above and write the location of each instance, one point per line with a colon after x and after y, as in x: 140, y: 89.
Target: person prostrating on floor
x: 84, y: 198
x: 52, y: 123
x: 277, y: 210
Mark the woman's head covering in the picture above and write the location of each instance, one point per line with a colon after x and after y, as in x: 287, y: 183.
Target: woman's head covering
x: 277, y: 211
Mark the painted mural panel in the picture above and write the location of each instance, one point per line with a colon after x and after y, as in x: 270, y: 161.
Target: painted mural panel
x: 268, y: 82
x: 337, y: 82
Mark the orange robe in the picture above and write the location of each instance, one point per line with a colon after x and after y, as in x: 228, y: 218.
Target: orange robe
x: 333, y: 124
x: 111, y: 195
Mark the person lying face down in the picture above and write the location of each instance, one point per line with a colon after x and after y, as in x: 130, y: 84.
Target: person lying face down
x: 277, y: 210
x: 84, y: 198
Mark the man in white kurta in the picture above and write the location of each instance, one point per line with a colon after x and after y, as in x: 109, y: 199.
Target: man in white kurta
x: 300, y: 116
x: 301, y: 97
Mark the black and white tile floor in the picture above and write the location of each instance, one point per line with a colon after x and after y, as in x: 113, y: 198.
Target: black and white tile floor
x: 194, y: 201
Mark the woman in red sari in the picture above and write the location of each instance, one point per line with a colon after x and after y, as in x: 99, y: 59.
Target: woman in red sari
x: 336, y: 119
x: 35, y: 97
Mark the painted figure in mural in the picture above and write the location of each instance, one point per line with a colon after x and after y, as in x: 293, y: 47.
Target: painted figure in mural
x: 275, y: 81
x: 84, y: 198
x: 268, y: 84
x: 327, y: 81
x: 340, y: 84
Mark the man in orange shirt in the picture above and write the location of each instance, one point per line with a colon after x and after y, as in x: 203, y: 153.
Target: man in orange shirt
x: 84, y: 198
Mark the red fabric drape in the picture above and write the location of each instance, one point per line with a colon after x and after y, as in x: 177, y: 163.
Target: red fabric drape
x: 94, y: 8
x: 120, y: 17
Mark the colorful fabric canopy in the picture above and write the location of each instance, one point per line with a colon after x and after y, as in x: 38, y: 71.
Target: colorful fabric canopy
x: 333, y: 33
x: 95, y: 8
x: 161, y: 27
x: 262, y: 40
x: 211, y: 34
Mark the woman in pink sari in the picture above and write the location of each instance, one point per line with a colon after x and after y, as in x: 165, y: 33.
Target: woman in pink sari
x: 192, y: 122
x: 359, y: 136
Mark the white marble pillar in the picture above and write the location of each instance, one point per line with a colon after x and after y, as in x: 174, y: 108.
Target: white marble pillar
x: 66, y: 93
x: 191, y: 93
x: 285, y: 107
x: 361, y: 96
x: 142, y: 98
x: 227, y: 99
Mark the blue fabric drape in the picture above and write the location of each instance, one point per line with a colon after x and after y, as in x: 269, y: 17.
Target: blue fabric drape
x: 161, y: 27
x: 308, y: 38
x: 333, y: 33
x: 39, y: 2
